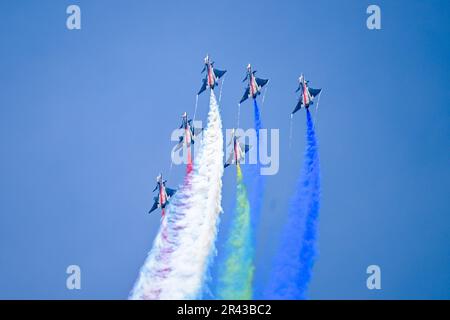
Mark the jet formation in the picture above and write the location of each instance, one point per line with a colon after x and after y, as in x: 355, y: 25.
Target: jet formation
x: 237, y: 154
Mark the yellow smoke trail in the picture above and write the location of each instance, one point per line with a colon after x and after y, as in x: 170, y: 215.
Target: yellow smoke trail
x: 236, y: 275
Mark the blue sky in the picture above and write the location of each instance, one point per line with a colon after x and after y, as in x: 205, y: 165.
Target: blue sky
x: 86, y: 118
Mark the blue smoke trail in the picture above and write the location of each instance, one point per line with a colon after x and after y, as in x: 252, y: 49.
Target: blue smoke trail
x: 295, y: 259
x: 256, y: 185
x: 258, y: 181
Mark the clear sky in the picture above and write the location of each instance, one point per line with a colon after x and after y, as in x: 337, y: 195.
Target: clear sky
x: 86, y: 118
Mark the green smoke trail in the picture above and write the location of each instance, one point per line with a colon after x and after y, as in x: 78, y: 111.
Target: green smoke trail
x: 236, y: 274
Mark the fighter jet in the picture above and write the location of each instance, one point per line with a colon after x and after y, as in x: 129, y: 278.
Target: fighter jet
x: 190, y: 133
x: 212, y: 75
x: 307, y: 94
x: 164, y: 194
x: 254, y: 84
x: 238, y: 152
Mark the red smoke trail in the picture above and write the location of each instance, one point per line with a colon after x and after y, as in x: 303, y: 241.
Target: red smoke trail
x: 189, y: 226
x: 168, y: 239
x: 189, y: 162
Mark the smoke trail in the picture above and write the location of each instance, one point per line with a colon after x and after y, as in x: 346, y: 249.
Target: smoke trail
x: 236, y: 274
x: 221, y: 87
x: 257, y: 121
x: 294, y: 262
x: 196, y: 104
x: 177, y: 263
x: 291, y: 127
x: 256, y: 183
x: 257, y: 180
x: 189, y: 166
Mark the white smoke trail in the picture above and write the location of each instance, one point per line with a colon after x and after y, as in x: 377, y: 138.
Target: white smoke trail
x: 238, y: 116
x: 317, y: 109
x: 196, y: 104
x: 177, y: 264
x: 221, y: 87
x: 264, y: 96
